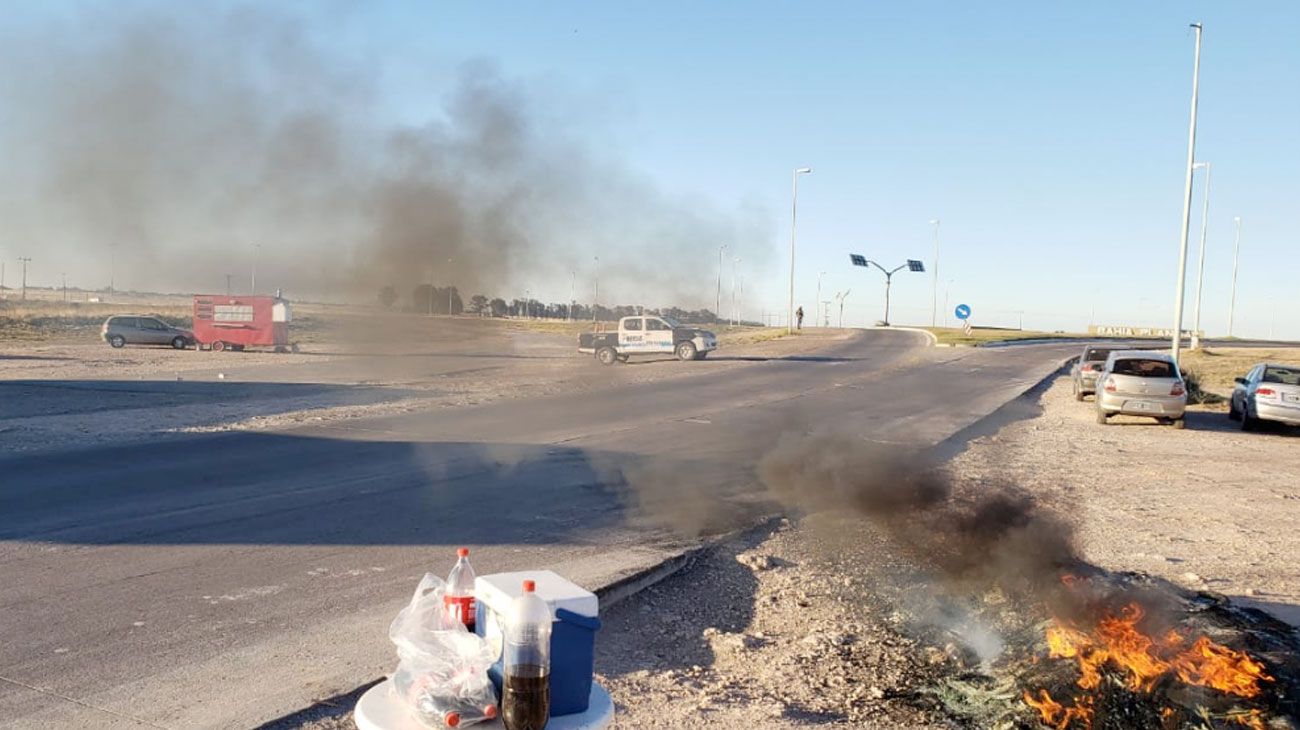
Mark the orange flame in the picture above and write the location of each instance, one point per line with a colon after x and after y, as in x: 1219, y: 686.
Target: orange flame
x: 1143, y: 661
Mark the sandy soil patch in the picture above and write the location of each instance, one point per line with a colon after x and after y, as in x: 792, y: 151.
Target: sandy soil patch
x: 1210, y: 507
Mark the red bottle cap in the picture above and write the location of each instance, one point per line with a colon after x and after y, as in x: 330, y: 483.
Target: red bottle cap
x: 529, y: 586
x: 490, y: 712
x: 452, y: 719
x: 463, y: 552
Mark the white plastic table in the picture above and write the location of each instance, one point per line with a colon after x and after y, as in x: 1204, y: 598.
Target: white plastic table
x: 380, y: 709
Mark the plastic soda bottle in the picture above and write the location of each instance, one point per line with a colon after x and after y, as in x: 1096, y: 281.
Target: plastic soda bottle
x: 459, y: 598
x: 526, y: 684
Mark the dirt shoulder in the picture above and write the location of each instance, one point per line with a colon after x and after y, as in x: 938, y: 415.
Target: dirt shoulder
x: 83, y: 393
x: 1210, y: 507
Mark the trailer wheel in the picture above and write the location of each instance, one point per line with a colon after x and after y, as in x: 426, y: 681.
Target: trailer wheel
x: 117, y: 340
x: 218, y: 346
x: 686, y: 351
x: 607, y: 356
x: 294, y: 348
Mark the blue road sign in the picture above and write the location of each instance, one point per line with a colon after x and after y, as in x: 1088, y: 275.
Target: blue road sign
x: 963, y: 311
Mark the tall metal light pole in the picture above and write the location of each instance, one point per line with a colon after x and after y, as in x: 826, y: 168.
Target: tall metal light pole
x: 112, y: 265
x: 595, y: 293
x: 794, y: 217
x: 227, y: 284
x: 65, y: 285
x: 1177, y: 338
x: 24, y: 260
x: 573, y: 293
x: 1200, y: 271
x: 842, y: 297
x: 450, y: 290
x: 934, y: 278
x: 1236, y: 250
x: 911, y: 265
x: 818, y: 301
x: 717, y: 307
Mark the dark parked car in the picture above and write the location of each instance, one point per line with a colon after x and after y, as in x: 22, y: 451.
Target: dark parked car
x: 138, y: 329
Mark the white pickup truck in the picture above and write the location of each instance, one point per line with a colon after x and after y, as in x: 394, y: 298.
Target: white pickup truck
x: 648, y: 335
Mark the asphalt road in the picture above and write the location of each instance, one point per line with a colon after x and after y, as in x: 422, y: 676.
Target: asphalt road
x: 224, y: 580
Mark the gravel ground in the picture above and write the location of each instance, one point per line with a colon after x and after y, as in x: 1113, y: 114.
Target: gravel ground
x: 1210, y: 507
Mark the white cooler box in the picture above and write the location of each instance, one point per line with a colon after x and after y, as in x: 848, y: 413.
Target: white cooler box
x: 573, y: 635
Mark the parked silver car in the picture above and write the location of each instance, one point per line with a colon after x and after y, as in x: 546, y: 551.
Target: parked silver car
x: 1087, y: 368
x: 1137, y: 383
x: 1269, y: 392
x: 139, y: 329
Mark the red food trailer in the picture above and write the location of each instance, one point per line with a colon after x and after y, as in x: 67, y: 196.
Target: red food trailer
x: 224, y: 322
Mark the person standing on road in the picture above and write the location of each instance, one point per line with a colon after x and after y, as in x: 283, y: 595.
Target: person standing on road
x: 798, y: 315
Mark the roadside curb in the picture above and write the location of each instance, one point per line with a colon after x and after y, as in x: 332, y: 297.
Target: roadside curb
x: 930, y: 337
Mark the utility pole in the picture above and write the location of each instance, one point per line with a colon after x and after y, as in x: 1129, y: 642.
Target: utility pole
x: 794, y: 217
x: 595, y: 292
x: 65, y: 286
x: 1176, y: 345
x: 112, y: 266
x: 717, y: 308
x: 1200, y: 271
x: 1236, y: 250
x: 734, y: 263
x: 24, y: 261
x: 257, y: 249
x: 818, y: 300
x: 228, y: 278
x: 934, y: 278
x: 573, y: 293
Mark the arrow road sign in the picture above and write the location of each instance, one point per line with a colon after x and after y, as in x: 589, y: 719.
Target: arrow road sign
x: 963, y: 311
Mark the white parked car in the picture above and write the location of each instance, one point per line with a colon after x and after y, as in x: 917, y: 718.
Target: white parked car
x: 1269, y: 392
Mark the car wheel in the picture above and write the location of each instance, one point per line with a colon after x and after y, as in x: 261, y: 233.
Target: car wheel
x: 1247, y: 423
x: 1180, y: 423
x: 1078, y: 394
x: 1102, y: 417
x: 1233, y: 415
x: 607, y: 356
x: 218, y: 346
x: 686, y: 351
x: 117, y: 340
x: 179, y: 343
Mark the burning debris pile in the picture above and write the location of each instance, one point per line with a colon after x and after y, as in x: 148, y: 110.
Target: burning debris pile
x: 1050, y: 639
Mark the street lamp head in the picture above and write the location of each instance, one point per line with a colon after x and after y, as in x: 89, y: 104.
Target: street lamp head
x: 803, y: 170
x: 934, y: 222
x: 1199, y: 165
x: 1236, y: 219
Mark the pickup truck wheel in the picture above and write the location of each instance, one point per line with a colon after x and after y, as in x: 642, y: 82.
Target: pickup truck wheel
x: 607, y: 356
x: 686, y: 351
x: 117, y: 340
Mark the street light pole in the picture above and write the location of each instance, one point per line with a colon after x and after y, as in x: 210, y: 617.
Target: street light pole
x: 450, y: 289
x: 818, y: 300
x: 112, y: 265
x: 842, y: 297
x: 257, y: 248
x: 1200, y: 271
x: 1177, y: 342
x: 1236, y: 250
x: 595, y: 295
x: 717, y: 307
x: 734, y: 263
x: 794, y: 211
x: 934, y: 278
x: 573, y: 293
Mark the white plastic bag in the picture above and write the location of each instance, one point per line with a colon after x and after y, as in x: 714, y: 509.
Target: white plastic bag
x: 442, y: 668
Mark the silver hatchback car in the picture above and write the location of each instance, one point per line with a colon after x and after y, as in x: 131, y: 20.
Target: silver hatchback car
x: 1087, y: 368
x: 1269, y: 392
x: 138, y: 329
x: 1137, y: 383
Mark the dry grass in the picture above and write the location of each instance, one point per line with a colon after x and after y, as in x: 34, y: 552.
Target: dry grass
x: 1215, y: 368
x: 980, y: 336
x: 50, y: 320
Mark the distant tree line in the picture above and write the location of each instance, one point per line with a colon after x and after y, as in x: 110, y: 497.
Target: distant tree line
x: 447, y: 300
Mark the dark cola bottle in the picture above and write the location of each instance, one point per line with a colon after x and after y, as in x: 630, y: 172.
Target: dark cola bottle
x: 526, y: 680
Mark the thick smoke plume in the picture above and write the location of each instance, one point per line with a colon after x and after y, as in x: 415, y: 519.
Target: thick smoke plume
x: 998, y: 537
x: 184, y: 139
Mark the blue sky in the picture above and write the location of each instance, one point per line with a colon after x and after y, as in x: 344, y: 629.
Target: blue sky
x: 1050, y: 139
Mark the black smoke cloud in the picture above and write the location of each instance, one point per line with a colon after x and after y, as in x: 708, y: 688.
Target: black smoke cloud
x: 995, y: 537
x: 187, y: 137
